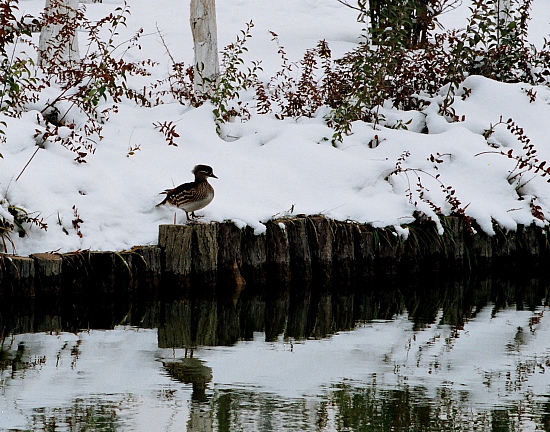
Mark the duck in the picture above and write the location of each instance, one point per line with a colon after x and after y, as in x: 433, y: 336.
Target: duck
x: 192, y: 196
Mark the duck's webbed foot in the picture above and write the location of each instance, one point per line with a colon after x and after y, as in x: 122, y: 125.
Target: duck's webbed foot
x: 192, y: 217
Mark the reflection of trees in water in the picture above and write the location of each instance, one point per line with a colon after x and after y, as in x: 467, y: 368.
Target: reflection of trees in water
x: 298, y: 312
x: 412, y: 409
x: 245, y: 410
x: 95, y: 414
x: 346, y: 407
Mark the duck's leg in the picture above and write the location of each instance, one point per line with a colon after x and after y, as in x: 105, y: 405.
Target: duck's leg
x: 190, y: 216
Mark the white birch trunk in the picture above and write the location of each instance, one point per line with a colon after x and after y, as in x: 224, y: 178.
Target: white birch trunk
x: 56, y: 45
x: 205, y: 39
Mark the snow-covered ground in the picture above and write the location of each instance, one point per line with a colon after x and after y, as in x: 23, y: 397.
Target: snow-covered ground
x: 273, y: 167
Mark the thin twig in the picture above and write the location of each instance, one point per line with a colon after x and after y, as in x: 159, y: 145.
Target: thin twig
x: 25, y: 167
x: 345, y: 3
x: 165, y: 45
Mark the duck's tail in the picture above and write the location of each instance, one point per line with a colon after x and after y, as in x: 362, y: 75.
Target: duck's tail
x: 165, y: 199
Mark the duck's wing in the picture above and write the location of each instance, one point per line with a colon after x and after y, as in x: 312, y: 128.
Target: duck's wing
x: 180, y: 194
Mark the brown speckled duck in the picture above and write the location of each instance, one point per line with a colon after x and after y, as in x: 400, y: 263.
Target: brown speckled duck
x: 192, y: 196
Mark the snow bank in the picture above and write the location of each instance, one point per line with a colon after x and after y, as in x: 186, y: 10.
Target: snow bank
x: 272, y: 167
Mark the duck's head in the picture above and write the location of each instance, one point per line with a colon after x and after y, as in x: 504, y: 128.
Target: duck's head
x: 203, y: 172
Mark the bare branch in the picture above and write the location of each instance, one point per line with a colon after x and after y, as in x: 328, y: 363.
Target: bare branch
x: 345, y: 3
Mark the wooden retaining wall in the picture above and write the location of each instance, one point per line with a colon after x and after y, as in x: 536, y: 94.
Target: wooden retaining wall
x: 303, y: 250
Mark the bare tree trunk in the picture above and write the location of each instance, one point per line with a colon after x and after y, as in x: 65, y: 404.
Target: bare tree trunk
x: 58, y: 38
x: 205, y: 39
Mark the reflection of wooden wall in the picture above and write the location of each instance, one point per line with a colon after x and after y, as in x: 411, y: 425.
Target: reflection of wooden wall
x: 313, y: 312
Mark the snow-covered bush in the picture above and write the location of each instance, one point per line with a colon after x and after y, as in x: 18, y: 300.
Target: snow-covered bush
x: 16, y: 219
x: 234, y: 79
x: 493, y: 45
x: 76, y: 88
x: 19, y: 84
x: 80, y: 88
x: 301, y: 93
x: 402, y: 60
x: 72, y: 98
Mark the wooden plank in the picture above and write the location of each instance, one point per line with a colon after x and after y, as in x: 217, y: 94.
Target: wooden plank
x: 48, y: 268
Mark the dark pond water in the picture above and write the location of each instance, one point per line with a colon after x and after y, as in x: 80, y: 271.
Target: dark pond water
x: 416, y: 354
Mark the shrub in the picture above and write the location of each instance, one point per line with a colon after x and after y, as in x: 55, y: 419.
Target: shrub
x: 233, y: 80
x: 19, y: 85
x: 101, y: 75
x: 290, y: 94
x: 493, y: 45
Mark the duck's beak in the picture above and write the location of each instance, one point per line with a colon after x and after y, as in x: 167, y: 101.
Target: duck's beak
x: 212, y: 175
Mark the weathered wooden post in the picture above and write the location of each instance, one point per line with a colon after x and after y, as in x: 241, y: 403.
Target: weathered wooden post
x: 320, y: 232
x: 453, y: 242
x: 388, y: 251
x: 17, y: 277
x: 364, y: 252
x: 300, y: 252
x: 532, y: 244
x: 344, y: 254
x: 204, y: 262
x: 278, y: 279
x: 48, y: 269
x: 175, y: 241
x: 145, y: 265
x: 190, y: 256
x: 230, y: 281
x: 254, y: 255
x: 277, y: 254
x: 481, y: 247
x: 230, y: 252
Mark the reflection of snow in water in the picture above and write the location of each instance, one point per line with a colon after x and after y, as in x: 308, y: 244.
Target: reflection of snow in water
x: 493, y: 361
x: 494, y: 358
x: 113, y: 370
